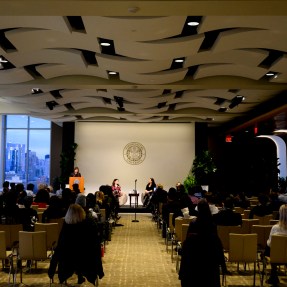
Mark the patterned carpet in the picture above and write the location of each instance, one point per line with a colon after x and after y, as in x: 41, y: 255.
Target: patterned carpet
x: 135, y: 257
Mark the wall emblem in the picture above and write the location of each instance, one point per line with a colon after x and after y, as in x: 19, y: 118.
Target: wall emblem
x: 134, y: 153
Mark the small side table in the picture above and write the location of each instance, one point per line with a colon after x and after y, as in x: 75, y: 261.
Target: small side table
x: 136, y: 196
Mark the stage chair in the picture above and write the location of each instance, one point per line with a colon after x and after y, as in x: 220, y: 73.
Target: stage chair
x: 52, y: 235
x: 247, y: 224
x: 32, y: 246
x: 264, y: 220
x: 6, y: 255
x: 278, y: 253
x: 243, y: 249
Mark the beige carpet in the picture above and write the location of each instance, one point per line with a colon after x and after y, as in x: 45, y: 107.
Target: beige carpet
x: 136, y: 257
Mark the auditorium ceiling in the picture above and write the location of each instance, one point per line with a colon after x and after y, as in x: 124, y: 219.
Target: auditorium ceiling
x: 219, y: 62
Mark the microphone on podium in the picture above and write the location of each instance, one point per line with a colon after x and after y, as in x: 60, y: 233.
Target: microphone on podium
x: 136, y: 180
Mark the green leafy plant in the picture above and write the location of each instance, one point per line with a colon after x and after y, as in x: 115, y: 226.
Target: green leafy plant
x: 189, y: 182
x: 203, y: 167
x: 68, y: 157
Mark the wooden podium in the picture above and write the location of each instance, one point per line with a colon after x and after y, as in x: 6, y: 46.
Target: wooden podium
x: 79, y: 180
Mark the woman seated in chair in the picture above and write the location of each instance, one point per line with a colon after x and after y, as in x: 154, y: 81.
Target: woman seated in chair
x: 281, y: 229
x: 78, y: 250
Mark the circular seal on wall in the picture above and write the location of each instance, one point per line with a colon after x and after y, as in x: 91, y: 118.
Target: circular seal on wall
x: 134, y: 153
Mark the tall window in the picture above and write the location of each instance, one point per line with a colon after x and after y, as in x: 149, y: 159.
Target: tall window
x: 27, y: 150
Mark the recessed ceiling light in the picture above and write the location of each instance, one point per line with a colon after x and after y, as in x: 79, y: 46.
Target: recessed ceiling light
x: 193, y: 23
x: 112, y: 73
x: 105, y: 44
x: 179, y: 60
x: 280, y: 131
x: 270, y: 74
x: 2, y: 60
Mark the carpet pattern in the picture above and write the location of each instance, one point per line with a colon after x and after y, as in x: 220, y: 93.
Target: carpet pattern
x: 135, y: 257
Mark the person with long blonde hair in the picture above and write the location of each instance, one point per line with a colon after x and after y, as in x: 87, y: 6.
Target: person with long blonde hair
x: 279, y: 229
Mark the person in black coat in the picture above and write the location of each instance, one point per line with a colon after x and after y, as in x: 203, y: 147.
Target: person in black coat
x: 78, y: 249
x: 227, y: 216
x: 202, y: 252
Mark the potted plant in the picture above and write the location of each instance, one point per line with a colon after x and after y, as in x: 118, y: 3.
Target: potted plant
x: 203, y: 167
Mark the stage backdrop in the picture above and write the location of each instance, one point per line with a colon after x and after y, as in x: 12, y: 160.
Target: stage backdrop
x: 100, y: 154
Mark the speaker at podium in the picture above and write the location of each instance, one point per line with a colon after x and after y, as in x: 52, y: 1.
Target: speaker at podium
x: 77, y: 180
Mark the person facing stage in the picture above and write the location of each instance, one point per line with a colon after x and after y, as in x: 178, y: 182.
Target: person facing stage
x: 76, y: 172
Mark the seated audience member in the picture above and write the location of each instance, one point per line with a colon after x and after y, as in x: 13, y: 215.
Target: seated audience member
x: 76, y: 189
x: 10, y: 211
x: 172, y: 206
x: 281, y: 229
x: 55, y: 210
x: 28, y: 215
x: 60, y: 189
x: 42, y: 198
x: 191, y: 193
x: 159, y: 196
x: 67, y: 198
x: 274, y: 202
x: 226, y: 216
x: 240, y: 200
x: 262, y: 208
x: 211, y: 202
x: 202, y: 252
x: 71, y: 256
x: 282, y: 196
x: 30, y: 189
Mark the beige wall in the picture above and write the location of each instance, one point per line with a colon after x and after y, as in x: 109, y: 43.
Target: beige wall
x: 169, y: 153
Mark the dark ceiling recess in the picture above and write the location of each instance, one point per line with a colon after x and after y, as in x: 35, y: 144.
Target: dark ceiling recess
x: 31, y: 69
x: 5, y: 44
x: 222, y: 110
x: 109, y: 50
x: 76, y: 23
x: 36, y: 91
x: 119, y: 101
x: 236, y: 101
x: 177, y: 65
x: 273, y: 56
x: 69, y: 107
x: 219, y: 101
x: 90, y: 57
x: 171, y: 107
x: 56, y: 94
x: 51, y: 105
x: 107, y: 101
x: 178, y: 94
x: 190, y: 30
x: 166, y: 92
x: 191, y: 71
x: 5, y: 64
x: 161, y: 105
x: 210, y: 38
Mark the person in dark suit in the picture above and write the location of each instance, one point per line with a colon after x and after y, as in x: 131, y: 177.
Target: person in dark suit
x: 227, y: 216
x: 262, y: 208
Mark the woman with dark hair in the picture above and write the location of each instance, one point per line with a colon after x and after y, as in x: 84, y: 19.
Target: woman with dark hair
x: 202, y: 252
x: 76, y: 172
x: 116, y: 188
x: 149, y: 189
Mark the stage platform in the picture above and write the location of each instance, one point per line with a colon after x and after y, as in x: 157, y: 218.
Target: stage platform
x: 132, y: 209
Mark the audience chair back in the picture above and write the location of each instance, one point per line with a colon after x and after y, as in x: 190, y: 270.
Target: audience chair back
x: 223, y: 233
x: 12, y: 234
x: 243, y: 249
x: 184, y: 229
x: 52, y: 233
x: 32, y: 246
x: 264, y: 220
x: 103, y: 214
x: 170, y: 225
x: 262, y: 232
x: 247, y: 225
x: 238, y: 209
x: 178, y: 226
x: 35, y: 207
x: 60, y: 222
x: 278, y: 250
x: 246, y: 213
x: 6, y: 255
